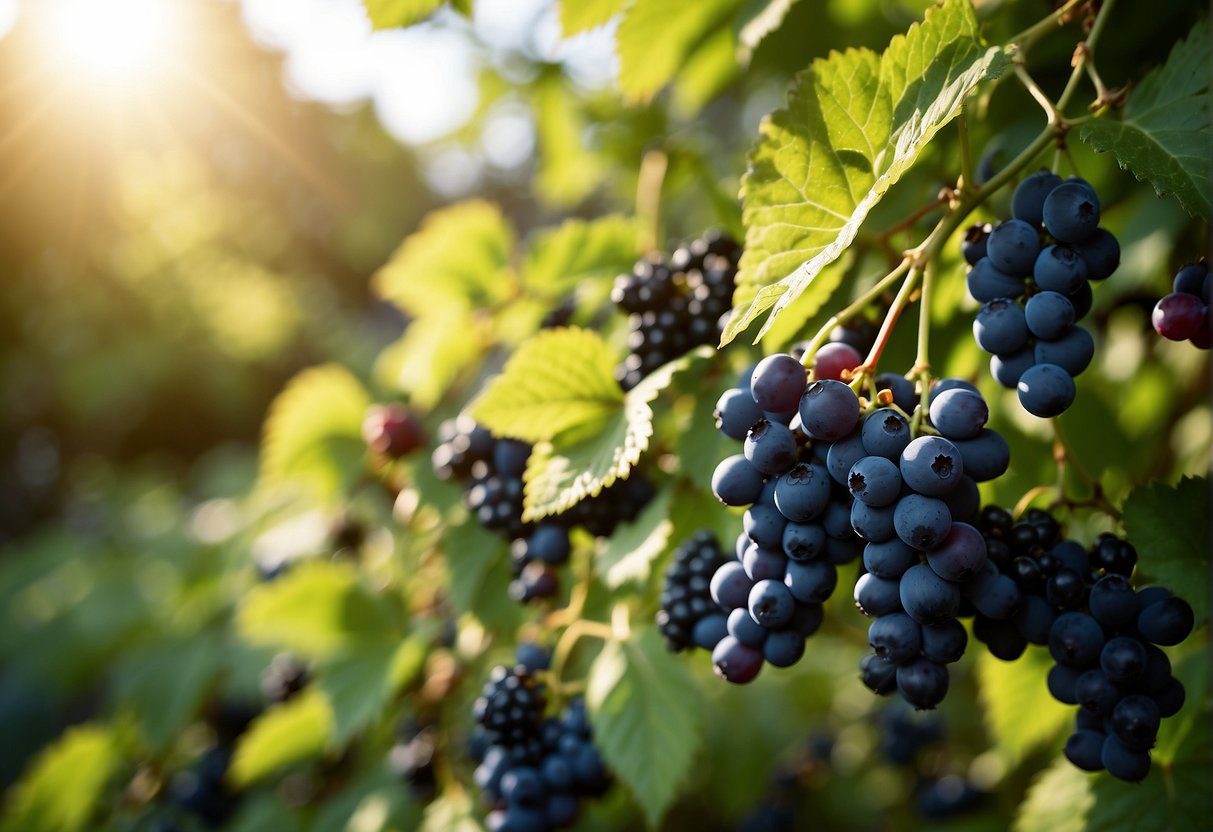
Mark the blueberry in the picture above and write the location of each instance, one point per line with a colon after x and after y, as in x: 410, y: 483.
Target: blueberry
x: 959, y: 414
x: 1059, y: 268
x: 1028, y: 201
x: 932, y: 465
x: 986, y: 282
x: 1013, y: 247
x: 1008, y: 368
x: 1000, y: 327
x: 1046, y: 390
x: 1049, y: 315
x: 1071, y: 212
x: 1072, y: 351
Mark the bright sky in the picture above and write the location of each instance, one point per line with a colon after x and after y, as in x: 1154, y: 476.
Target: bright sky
x: 423, y: 79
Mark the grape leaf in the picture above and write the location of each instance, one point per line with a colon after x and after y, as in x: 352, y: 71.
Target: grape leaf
x: 657, y: 36
x: 645, y: 712
x: 434, y: 350
x: 578, y: 16
x: 318, y: 609
x: 758, y: 19
x: 459, y: 256
x: 163, y: 683
x: 1170, y: 528
x: 562, y: 257
x: 568, y: 469
x: 632, y: 547
x: 1173, y: 797
x: 568, y: 171
x: 358, y: 686
x: 1164, y: 137
x: 452, y: 811
x: 1020, y: 714
x: 296, y: 730
x: 854, y: 123
x: 60, y: 789
x: 1057, y: 801
x: 313, y: 434
x: 558, y: 380
x: 390, y: 14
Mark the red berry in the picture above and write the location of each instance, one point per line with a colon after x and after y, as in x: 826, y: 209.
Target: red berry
x: 1178, y: 316
x: 392, y: 430
x: 832, y: 359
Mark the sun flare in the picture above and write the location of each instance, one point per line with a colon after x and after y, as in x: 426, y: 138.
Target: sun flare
x: 114, y: 40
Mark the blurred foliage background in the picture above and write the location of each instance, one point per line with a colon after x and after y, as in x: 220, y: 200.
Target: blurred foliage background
x: 178, y: 239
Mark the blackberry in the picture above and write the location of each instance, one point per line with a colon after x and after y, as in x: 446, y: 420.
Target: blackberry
x: 510, y: 708
x: 675, y: 304
x: 688, y: 616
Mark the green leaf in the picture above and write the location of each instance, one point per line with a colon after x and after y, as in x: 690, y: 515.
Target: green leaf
x: 657, y: 36
x: 452, y: 811
x: 578, y: 16
x: 561, y: 258
x: 313, y: 434
x: 568, y: 171
x: 1057, y: 801
x: 297, y: 730
x: 632, y: 548
x: 645, y: 711
x: 854, y: 123
x: 558, y: 380
x: 359, y: 685
x: 758, y: 19
x: 569, y: 469
x: 317, y: 610
x: 431, y: 355
x: 61, y: 788
x: 1170, y: 528
x: 1164, y: 137
x: 390, y: 14
x: 460, y: 256
x: 163, y: 684
x: 1172, y: 798
x: 1019, y: 712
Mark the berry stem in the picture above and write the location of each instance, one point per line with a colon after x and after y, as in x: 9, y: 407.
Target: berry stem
x: 890, y: 321
x: 846, y: 314
x: 568, y: 640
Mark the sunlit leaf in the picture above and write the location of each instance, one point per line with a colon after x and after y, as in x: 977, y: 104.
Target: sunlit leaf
x: 645, y: 712
x: 61, y: 788
x: 297, y: 730
x: 758, y: 19
x: 582, y: 15
x: 460, y: 256
x: 1020, y: 714
x: 164, y: 682
x: 568, y: 171
x: 452, y: 811
x: 390, y: 14
x: 561, y: 473
x: 317, y: 610
x: 1057, y: 801
x: 431, y: 355
x: 854, y: 123
x: 1170, y: 528
x: 578, y: 251
x: 657, y: 36
x: 558, y: 380
x: 359, y: 685
x: 632, y: 547
x: 313, y: 433
x: 1164, y: 137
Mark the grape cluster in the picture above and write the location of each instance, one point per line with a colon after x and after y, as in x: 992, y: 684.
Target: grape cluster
x: 533, y: 770
x: 797, y: 529
x: 1037, y: 347
x: 492, y: 471
x: 675, y: 304
x: 688, y: 616
x: 923, y: 559
x: 902, y: 738
x: 1183, y: 315
x: 1102, y: 634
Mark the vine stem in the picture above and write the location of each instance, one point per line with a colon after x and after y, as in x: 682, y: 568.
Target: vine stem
x: 1084, y: 54
x: 648, y: 196
x: 579, y: 629
x: 1036, y: 31
x: 849, y: 312
x: 1066, y: 458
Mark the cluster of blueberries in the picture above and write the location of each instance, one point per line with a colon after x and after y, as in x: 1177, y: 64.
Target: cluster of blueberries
x: 675, y: 304
x: 534, y: 770
x: 492, y: 469
x: 1038, y: 347
x: 1183, y: 315
x: 925, y: 563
